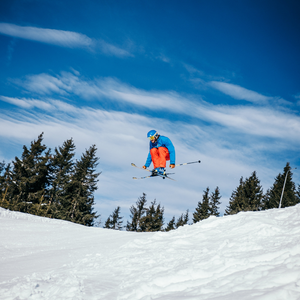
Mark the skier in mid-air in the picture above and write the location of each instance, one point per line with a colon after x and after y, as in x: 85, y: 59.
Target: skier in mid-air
x: 161, y: 150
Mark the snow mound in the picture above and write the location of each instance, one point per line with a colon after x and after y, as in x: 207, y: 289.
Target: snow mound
x: 251, y: 255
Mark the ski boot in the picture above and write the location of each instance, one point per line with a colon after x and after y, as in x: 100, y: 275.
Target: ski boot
x: 160, y: 171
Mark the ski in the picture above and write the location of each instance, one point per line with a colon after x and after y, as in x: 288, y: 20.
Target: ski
x: 151, y: 171
x: 153, y: 174
x: 142, y: 177
x: 163, y: 176
x: 134, y: 165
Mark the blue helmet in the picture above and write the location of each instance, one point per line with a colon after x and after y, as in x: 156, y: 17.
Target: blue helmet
x: 152, y: 134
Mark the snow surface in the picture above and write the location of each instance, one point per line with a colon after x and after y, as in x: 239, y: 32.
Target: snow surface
x: 252, y: 255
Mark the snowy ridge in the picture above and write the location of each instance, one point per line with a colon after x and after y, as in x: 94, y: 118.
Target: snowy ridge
x: 5, y: 213
x: 251, y: 255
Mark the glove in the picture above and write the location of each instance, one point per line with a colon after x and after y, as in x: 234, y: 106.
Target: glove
x: 144, y: 167
x: 172, y: 166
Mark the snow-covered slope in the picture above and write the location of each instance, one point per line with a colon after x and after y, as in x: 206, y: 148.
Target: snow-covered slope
x: 253, y: 255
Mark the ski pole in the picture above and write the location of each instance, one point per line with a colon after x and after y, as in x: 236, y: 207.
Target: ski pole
x: 188, y: 163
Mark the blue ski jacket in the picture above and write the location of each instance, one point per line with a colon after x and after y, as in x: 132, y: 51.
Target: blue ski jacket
x: 162, y: 141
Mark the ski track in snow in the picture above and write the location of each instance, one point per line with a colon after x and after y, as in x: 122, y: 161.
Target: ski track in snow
x: 251, y: 255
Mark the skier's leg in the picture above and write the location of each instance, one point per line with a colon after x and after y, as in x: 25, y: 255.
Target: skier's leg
x: 163, y: 156
x: 155, y: 157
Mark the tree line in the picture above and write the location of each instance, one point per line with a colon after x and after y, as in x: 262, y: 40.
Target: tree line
x: 147, y: 219
x: 248, y: 196
x: 50, y: 184
x: 55, y: 185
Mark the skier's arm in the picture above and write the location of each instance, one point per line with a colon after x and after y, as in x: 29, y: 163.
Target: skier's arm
x: 171, y: 150
x: 148, y: 161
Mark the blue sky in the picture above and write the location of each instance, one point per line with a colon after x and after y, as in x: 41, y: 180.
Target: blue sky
x: 219, y: 78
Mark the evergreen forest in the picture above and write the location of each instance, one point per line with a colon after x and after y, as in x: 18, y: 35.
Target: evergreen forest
x: 51, y: 185
x: 56, y: 185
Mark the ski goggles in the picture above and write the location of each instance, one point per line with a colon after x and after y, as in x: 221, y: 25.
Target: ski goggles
x: 153, y: 137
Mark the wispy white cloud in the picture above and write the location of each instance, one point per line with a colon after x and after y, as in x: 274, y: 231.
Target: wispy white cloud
x: 27, y: 103
x: 204, y: 81
x: 10, y: 50
x: 112, y: 50
x: 45, y: 84
x: 297, y: 97
x: 50, y: 36
x: 164, y: 58
x: 68, y: 83
x: 238, y: 92
x: 198, y: 76
x: 265, y: 121
x: 194, y: 71
x: 61, y: 38
x: 46, y: 105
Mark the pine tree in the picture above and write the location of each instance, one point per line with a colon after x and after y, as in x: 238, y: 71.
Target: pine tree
x: 5, y: 184
x: 62, y: 170
x: 30, y: 179
x: 2, y: 168
x: 273, y: 195
x: 171, y: 225
x: 2, y: 180
x: 183, y: 219
x: 203, y: 209
x: 248, y: 196
x: 298, y: 194
x: 253, y: 193
x: 215, y: 202
x: 114, y: 221
x: 153, y: 219
x: 146, y: 219
x: 79, y: 200
x: 136, y: 214
x: 236, y: 200
x: 53, y: 186
x: 108, y: 223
